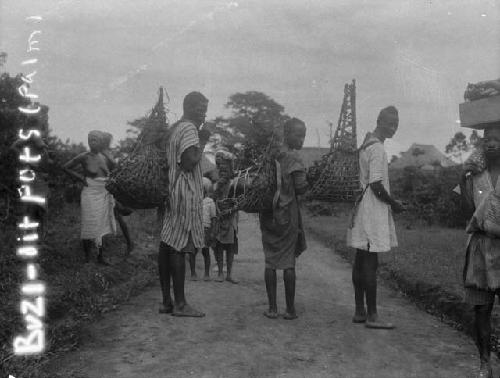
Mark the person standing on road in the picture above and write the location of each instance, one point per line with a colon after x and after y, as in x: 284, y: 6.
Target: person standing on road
x: 119, y: 210
x: 479, y: 189
x: 226, y: 235
x: 97, y: 203
x: 182, y: 230
x: 209, y: 219
x: 372, y: 229
x: 283, y: 237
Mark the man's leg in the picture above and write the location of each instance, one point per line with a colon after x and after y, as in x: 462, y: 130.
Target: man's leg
x: 370, y: 266
x: 219, y: 257
x: 87, y: 246
x: 359, y: 288
x: 192, y: 265
x: 125, y: 232
x: 271, y: 284
x: 229, y: 262
x: 100, y: 257
x: 206, y: 259
x: 164, y: 270
x: 289, y: 279
x: 482, y: 323
x: 177, y: 262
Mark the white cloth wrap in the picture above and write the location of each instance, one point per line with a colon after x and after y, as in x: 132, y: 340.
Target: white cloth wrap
x: 97, y: 210
x: 374, y: 228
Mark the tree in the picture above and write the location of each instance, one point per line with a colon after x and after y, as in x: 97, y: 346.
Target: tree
x: 457, y: 146
x: 254, y: 125
x: 393, y: 159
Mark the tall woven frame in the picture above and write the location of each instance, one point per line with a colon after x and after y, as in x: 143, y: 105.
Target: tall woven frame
x: 339, y: 169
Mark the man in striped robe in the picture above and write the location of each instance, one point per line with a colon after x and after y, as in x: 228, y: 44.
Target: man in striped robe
x: 182, y: 230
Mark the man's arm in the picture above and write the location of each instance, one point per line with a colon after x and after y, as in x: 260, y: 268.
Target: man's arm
x: 466, y: 196
x: 190, y: 157
x: 380, y: 192
x: 300, y: 182
x: 109, y: 159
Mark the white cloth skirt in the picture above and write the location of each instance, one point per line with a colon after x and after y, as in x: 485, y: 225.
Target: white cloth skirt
x: 97, y: 211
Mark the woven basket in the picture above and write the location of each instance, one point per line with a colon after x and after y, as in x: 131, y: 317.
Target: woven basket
x: 140, y: 181
x: 258, y: 186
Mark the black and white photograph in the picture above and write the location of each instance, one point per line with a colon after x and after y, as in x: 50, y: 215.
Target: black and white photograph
x: 231, y: 188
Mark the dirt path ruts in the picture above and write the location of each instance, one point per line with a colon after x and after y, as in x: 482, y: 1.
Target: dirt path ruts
x: 235, y: 340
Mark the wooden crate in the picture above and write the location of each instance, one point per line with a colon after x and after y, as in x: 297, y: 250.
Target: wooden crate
x: 479, y: 113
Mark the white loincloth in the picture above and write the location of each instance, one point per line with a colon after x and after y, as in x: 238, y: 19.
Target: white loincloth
x: 97, y: 210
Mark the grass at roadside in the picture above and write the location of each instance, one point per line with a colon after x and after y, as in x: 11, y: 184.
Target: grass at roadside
x: 76, y: 292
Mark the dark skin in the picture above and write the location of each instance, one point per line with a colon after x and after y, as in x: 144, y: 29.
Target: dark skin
x: 364, y: 272
x: 482, y: 318
x: 106, y: 152
x: 226, y: 173
x: 294, y: 140
x: 93, y: 164
x: 173, y: 265
x: 206, y: 256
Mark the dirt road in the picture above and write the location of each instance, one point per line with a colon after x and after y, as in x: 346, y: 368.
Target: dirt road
x: 236, y: 340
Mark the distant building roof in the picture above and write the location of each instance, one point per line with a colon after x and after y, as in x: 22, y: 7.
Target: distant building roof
x: 310, y: 154
x: 422, y: 156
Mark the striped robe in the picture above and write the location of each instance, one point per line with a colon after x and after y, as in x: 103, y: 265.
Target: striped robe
x: 184, y: 217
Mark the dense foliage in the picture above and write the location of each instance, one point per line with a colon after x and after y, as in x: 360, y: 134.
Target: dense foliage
x: 254, y: 125
x: 430, y: 195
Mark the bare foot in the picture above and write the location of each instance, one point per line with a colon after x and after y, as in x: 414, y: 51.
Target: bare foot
x: 187, y: 311
x: 166, y: 308
x: 271, y: 314
x: 485, y: 370
x: 220, y: 278
x: 359, y: 316
x: 232, y: 280
x: 100, y: 260
x: 290, y: 315
x: 374, y: 322
x: 130, y: 248
x: 207, y: 278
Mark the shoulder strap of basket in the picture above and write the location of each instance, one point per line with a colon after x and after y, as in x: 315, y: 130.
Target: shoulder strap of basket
x: 364, y: 146
x: 360, y: 197
x: 278, y: 185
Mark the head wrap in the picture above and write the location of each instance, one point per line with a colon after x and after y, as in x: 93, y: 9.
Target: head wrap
x: 224, y: 155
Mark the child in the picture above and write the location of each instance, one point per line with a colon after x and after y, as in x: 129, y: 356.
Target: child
x: 209, y: 215
x: 227, y: 227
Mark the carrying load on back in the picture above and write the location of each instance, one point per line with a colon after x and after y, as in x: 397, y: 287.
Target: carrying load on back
x: 254, y: 189
x: 140, y: 180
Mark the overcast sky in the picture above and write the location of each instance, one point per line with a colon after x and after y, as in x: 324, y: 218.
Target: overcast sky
x: 101, y: 62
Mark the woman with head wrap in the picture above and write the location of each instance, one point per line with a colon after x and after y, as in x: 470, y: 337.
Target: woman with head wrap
x: 372, y: 229
x: 282, y: 232
x: 97, y: 203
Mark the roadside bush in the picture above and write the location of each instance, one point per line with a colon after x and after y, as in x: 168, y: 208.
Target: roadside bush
x: 429, y: 195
